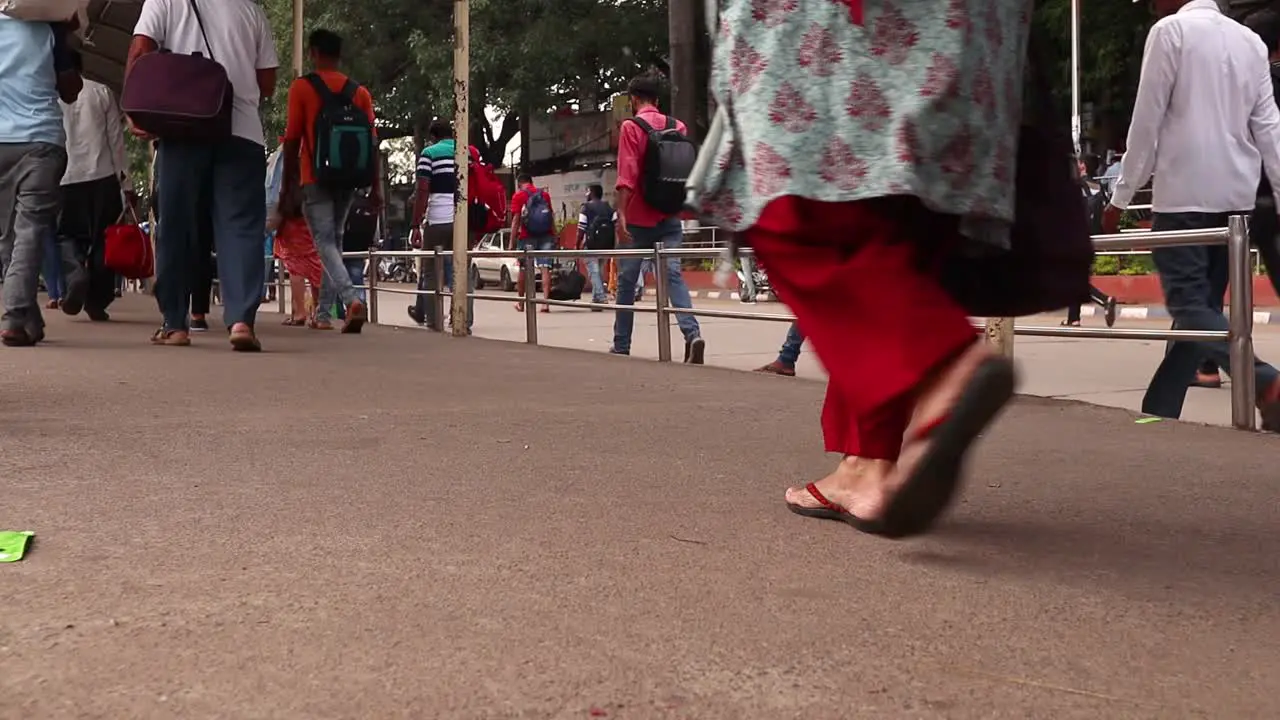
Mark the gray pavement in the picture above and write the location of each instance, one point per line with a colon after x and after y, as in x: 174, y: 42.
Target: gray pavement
x: 1105, y: 372
x: 404, y: 525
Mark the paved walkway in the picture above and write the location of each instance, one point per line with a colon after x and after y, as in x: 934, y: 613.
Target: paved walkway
x: 402, y: 524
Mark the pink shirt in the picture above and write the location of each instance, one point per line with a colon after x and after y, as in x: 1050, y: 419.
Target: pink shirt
x: 631, y: 148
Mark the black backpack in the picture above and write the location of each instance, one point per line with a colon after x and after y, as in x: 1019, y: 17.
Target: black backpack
x: 361, y: 229
x: 600, y: 230
x: 668, y: 162
x: 568, y: 285
x: 343, y: 156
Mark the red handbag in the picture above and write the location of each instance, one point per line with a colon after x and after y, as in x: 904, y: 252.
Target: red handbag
x: 127, y: 251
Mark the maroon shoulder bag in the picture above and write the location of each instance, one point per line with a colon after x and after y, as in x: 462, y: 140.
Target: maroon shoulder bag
x: 180, y: 97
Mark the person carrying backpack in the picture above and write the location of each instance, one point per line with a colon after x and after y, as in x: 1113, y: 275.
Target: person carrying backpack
x: 596, y: 231
x: 331, y: 150
x: 655, y: 158
x: 533, y: 225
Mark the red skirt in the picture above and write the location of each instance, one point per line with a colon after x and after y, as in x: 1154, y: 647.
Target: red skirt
x: 296, y: 248
x: 876, y: 316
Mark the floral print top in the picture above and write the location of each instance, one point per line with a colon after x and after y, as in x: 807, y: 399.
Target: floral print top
x: 839, y: 100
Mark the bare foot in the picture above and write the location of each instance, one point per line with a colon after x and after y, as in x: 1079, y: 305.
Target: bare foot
x: 858, y: 485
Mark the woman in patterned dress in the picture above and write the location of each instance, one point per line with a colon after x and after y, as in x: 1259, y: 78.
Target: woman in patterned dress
x: 862, y: 134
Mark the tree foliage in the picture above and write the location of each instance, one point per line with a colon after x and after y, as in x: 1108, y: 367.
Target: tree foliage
x: 526, y: 55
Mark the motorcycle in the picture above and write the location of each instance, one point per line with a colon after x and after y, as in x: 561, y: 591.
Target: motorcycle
x: 396, y: 269
x: 752, y: 281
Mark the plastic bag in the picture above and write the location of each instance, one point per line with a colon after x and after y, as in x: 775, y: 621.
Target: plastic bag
x: 42, y: 10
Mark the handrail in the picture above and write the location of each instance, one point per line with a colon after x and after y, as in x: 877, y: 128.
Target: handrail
x: 1239, y: 336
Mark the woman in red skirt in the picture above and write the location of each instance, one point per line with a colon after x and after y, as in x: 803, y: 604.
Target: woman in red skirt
x: 854, y: 126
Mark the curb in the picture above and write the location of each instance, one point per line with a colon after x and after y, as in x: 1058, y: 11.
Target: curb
x: 1160, y: 312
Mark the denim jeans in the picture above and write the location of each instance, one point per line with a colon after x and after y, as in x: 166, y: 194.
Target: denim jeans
x: 670, y: 233
x: 355, y: 271
x: 326, y: 212
x: 790, y: 351
x: 1193, y: 279
x: 51, y: 269
x: 599, y: 293
x: 30, y: 174
x: 228, y: 175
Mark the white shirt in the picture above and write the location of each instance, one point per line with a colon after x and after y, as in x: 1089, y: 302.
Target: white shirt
x: 239, y: 39
x: 1205, y: 119
x: 95, y: 136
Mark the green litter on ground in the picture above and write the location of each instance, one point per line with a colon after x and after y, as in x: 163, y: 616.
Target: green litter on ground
x: 13, y: 544
x: 1147, y: 421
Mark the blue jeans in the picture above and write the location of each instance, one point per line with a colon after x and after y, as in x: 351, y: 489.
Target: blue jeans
x: 229, y: 174
x: 599, y: 293
x: 790, y: 351
x: 326, y: 212
x: 54, y: 281
x: 1193, y: 279
x: 671, y: 235
x: 355, y: 271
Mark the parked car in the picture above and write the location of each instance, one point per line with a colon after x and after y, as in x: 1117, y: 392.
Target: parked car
x: 493, y: 270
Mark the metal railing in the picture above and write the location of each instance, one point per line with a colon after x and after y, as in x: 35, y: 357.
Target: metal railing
x: 1239, y: 334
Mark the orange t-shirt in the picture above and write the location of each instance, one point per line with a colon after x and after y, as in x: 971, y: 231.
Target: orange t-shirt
x: 304, y: 106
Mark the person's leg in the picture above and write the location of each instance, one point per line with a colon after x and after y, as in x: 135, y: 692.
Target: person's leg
x: 789, y: 354
x: 1188, y: 278
x: 29, y: 178
x: 202, y: 268
x: 436, y: 236
x: 624, y: 320
x: 355, y: 271
x: 75, y: 243
x: 546, y: 264
x: 599, y: 293
x: 1264, y: 234
x: 882, y: 326
x: 105, y: 210
x: 520, y: 246
x: 51, y: 269
x: 322, y: 208
x: 239, y: 217
x: 185, y: 174
x: 672, y: 237
x: 748, y: 293
x: 1073, y: 315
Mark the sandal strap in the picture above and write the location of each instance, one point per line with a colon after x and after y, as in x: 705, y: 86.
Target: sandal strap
x: 929, y: 428
x: 822, y: 499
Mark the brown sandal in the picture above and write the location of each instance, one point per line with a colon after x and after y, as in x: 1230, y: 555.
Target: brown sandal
x: 245, y: 340
x: 172, y: 338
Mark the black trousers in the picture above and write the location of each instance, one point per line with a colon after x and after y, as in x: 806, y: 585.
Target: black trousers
x: 88, y: 209
x: 1096, y: 295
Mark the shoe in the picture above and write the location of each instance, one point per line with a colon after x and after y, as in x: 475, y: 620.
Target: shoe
x: 415, y: 316
x: 695, y: 351
x: 77, y: 289
x: 201, y: 325
x: 356, y: 317
x: 616, y: 351
x: 20, y: 338
x: 778, y: 368
x: 1109, y: 312
x: 99, y: 315
x: 1269, y: 407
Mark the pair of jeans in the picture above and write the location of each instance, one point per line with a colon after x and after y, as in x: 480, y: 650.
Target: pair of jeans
x: 440, y: 237
x: 670, y: 233
x: 326, y: 212
x: 1194, y: 280
x: 30, y: 174
x: 88, y: 209
x: 599, y: 293
x: 228, y: 176
x: 790, y: 352
x: 51, y: 268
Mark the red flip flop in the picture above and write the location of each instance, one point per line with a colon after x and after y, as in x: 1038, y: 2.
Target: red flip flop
x: 832, y: 511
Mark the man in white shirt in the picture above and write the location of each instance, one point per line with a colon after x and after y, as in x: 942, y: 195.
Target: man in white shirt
x: 229, y: 172
x: 1204, y: 122
x: 91, y: 194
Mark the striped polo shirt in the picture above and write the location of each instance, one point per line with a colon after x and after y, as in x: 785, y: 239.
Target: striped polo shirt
x: 437, y: 166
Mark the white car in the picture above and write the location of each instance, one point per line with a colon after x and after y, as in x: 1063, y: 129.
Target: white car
x: 494, y: 270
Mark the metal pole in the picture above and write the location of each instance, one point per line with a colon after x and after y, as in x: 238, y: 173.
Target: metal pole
x: 371, y: 279
x: 437, y: 286
x: 298, y: 26
x: 1000, y: 335
x: 1243, y: 390
x: 462, y: 156
x: 661, y: 273
x: 1075, y: 75
x: 530, y: 293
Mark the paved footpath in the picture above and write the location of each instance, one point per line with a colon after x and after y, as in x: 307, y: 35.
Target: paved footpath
x: 1106, y: 372
x: 405, y: 525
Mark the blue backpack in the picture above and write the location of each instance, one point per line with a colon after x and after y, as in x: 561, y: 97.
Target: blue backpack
x: 539, y: 221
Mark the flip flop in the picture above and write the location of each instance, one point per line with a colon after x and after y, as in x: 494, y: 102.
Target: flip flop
x: 931, y: 485
x: 293, y: 322
x: 832, y: 511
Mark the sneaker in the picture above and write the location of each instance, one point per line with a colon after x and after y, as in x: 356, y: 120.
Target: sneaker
x: 201, y: 325
x: 414, y: 315
x: 1109, y: 312
x: 695, y: 351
